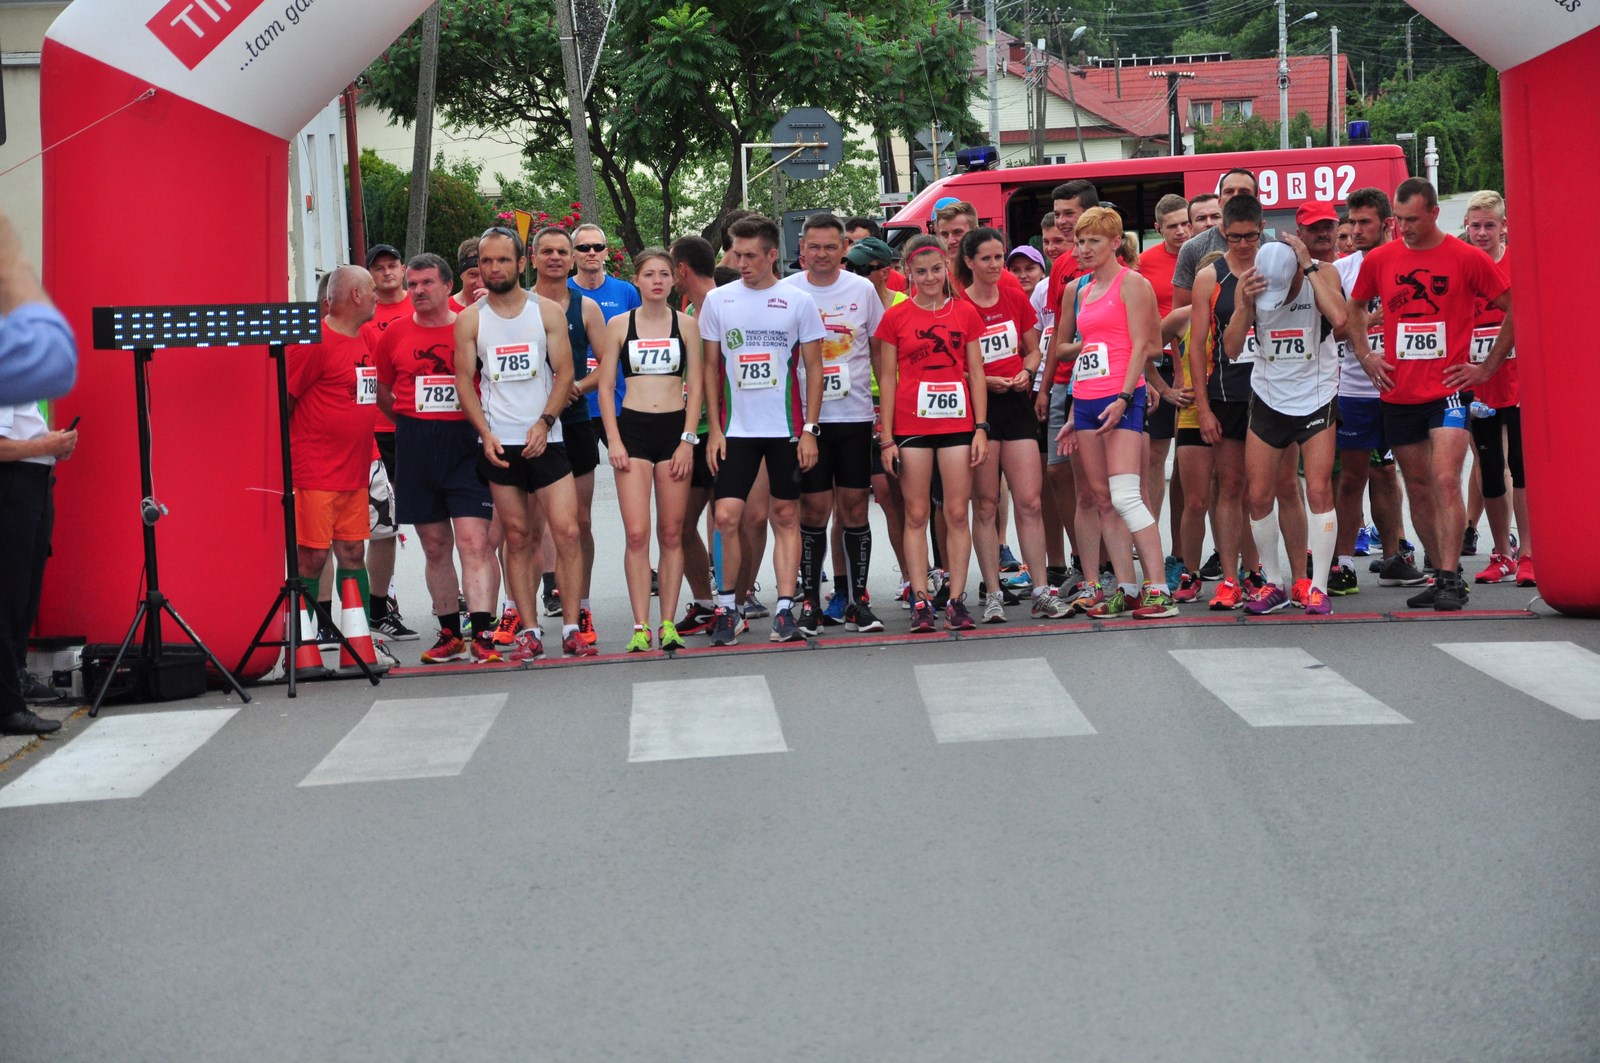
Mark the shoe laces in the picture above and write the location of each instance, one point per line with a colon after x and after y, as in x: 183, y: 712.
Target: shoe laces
x: 585, y: 622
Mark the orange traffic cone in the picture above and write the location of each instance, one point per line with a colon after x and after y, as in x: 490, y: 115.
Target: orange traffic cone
x: 308, y: 658
x: 353, y: 625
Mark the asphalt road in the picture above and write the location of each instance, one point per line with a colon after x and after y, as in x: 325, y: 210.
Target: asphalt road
x: 1255, y: 841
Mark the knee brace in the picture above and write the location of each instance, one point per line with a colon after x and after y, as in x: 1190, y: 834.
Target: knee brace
x: 1129, y: 502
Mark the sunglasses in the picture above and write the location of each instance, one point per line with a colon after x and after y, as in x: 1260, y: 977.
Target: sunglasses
x: 589, y: 247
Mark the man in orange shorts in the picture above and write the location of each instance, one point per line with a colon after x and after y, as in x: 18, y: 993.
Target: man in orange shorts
x: 333, y: 395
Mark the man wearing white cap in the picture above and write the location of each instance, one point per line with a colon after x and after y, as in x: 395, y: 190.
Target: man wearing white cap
x: 1294, y: 304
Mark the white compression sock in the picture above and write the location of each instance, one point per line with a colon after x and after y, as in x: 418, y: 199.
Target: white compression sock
x: 1324, y: 528
x: 1268, y: 545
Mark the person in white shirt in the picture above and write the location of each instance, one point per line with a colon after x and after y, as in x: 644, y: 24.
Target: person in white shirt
x: 29, y: 451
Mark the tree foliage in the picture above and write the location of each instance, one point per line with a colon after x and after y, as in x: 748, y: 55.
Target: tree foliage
x: 680, y: 85
x: 455, y: 209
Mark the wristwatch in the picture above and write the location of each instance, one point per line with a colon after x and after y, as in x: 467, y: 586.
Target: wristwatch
x: 690, y: 438
x: 1309, y: 270
x: 813, y: 428
x: 981, y: 426
x: 549, y: 419
x: 1126, y: 397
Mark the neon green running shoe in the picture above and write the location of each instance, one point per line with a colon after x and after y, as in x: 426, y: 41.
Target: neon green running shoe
x: 670, y: 639
x: 640, y: 643
x: 1115, y: 607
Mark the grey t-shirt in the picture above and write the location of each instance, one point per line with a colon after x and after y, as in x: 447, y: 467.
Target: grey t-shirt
x: 1192, y: 251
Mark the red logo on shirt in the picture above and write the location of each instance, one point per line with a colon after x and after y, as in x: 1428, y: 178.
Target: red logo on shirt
x: 192, y: 29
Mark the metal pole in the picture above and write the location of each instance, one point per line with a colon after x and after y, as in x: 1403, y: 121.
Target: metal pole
x: 1333, y: 90
x: 1077, y: 120
x: 1409, y: 70
x: 581, y: 159
x: 994, y: 81
x: 1283, y: 75
x: 1430, y: 159
x: 422, y: 145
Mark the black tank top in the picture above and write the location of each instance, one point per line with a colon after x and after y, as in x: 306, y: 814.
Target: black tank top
x: 625, y: 360
x: 578, y: 337
x: 1230, y: 378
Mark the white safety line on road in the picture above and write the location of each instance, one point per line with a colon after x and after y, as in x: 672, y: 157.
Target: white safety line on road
x: 682, y: 719
x: 1560, y: 674
x: 419, y: 738
x: 992, y: 701
x: 117, y: 757
x: 1283, y: 688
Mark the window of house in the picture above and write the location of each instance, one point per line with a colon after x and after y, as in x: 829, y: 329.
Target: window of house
x: 1201, y: 114
x: 1238, y: 109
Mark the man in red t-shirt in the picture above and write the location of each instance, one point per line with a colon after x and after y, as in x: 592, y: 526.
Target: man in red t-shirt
x: 333, y: 394
x: 1432, y: 286
x: 436, y: 450
x: 389, y: 275
x: 1156, y: 265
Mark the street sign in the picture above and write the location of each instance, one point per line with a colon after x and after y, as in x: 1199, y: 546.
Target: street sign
x: 807, y: 125
x: 925, y: 137
x: 947, y: 166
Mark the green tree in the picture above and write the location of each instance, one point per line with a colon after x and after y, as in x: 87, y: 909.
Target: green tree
x: 455, y: 209
x: 680, y: 85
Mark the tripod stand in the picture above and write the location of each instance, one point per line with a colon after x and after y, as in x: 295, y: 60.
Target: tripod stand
x: 293, y: 593
x: 154, y: 602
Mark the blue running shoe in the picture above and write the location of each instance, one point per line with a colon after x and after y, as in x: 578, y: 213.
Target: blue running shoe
x: 833, y: 612
x: 1019, y: 580
x: 1008, y: 560
x: 1365, y: 538
x: 1174, y: 570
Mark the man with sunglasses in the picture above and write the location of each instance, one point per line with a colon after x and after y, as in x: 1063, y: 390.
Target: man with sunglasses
x: 613, y: 295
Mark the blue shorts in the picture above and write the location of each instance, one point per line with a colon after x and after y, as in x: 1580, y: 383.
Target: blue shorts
x: 1086, y: 412
x: 436, y: 472
x: 1361, y: 424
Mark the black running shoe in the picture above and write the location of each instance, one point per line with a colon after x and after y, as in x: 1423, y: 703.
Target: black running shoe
x: 552, y: 603
x: 1469, y: 543
x: 696, y: 620
x: 860, y: 617
x: 1342, y: 580
x: 723, y: 632
x: 810, y: 623
x: 1450, y: 594
x: 392, y: 626
x: 1424, y: 598
x: 1211, y: 571
x: 1398, y: 572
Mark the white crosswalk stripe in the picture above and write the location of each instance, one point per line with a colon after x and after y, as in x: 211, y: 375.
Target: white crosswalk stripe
x: 1560, y: 674
x: 117, y: 757
x: 1270, y: 687
x: 418, y: 738
x: 983, y: 702
x: 684, y: 719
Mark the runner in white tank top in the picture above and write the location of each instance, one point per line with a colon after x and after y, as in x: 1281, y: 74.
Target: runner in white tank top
x: 514, y: 375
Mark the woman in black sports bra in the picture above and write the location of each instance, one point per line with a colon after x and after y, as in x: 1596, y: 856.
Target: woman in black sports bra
x: 652, y: 438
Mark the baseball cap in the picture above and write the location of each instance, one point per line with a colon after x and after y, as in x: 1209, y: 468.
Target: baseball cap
x: 1278, y: 263
x: 870, y: 252
x: 1030, y: 252
x: 377, y: 251
x: 1315, y: 211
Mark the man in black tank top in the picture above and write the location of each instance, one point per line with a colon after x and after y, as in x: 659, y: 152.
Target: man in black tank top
x: 586, y: 326
x: 1223, y: 405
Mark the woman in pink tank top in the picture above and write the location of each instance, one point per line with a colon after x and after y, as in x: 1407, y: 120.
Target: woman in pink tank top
x: 1113, y: 314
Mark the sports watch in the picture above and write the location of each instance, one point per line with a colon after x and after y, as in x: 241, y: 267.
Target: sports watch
x: 812, y: 427
x: 690, y: 438
x: 549, y: 419
x: 1309, y: 270
x: 1126, y: 397
x: 981, y: 426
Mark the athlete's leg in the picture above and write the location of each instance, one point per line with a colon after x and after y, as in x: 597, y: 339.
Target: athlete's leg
x: 1450, y: 446
x: 1125, y: 457
x: 1154, y: 480
x: 1261, y: 464
x: 1228, y: 522
x: 672, y: 503
x: 955, y: 470
x: 560, y: 503
x: 1416, y: 468
x: 1317, y: 455
x: 439, y: 570
x: 1196, y: 474
x: 633, y: 497
x: 1349, y: 499
x: 479, y: 572
x: 815, y: 509
x: 585, y: 494
x: 1019, y: 459
x: 985, y: 503
x: 516, y: 516
x: 916, y: 482
x: 696, y: 558
x: 1292, y: 512
x: 729, y: 513
x: 1388, y: 514
x: 854, y: 533
x: 784, y: 515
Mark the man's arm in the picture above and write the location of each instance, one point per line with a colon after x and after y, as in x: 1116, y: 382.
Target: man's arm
x: 594, y: 326
x: 38, y: 355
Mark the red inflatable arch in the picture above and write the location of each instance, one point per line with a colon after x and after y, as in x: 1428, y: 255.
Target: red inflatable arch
x: 181, y: 197
x: 1549, y: 110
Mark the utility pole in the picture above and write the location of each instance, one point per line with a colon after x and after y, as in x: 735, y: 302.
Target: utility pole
x: 1333, y: 90
x: 1283, y: 75
x: 1042, y: 107
x: 1116, y: 59
x: 994, y: 80
x: 422, y: 145
x: 1409, y: 70
x: 1174, y: 126
x: 581, y: 159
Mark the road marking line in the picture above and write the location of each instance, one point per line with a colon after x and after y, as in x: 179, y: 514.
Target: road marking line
x: 117, y: 757
x: 417, y: 738
x: 683, y: 719
x: 1560, y: 674
x: 998, y: 700
x: 1283, y: 688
